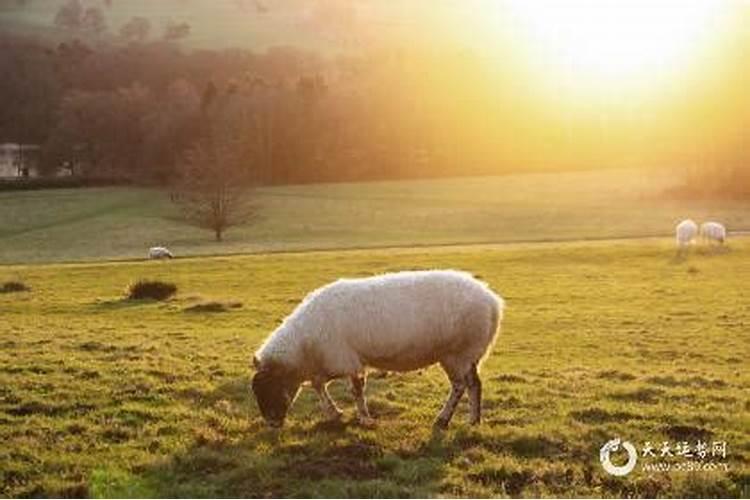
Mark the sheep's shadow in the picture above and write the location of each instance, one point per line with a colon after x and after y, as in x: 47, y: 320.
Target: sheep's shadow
x: 682, y: 256
x: 326, y: 458
x: 712, y: 250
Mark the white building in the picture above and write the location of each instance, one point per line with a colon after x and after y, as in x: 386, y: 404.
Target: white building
x: 18, y: 160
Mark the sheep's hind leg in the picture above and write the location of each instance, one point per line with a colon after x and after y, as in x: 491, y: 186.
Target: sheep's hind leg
x: 358, y: 391
x: 474, y: 385
x: 458, y: 386
x: 327, y: 404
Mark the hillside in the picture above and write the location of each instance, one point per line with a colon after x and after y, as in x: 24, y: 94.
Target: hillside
x: 118, y: 223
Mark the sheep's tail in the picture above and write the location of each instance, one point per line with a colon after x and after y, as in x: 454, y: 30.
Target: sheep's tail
x: 495, y: 319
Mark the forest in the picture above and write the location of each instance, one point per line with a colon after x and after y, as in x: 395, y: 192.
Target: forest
x: 128, y: 102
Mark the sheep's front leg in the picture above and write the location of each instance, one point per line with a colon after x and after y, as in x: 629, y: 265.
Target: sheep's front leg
x: 358, y: 391
x: 327, y: 404
x: 458, y: 386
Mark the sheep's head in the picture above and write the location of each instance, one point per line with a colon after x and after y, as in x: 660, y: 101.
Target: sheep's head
x: 275, y: 388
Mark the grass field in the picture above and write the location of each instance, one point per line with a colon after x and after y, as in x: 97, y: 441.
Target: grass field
x: 104, y: 397
x: 94, y: 224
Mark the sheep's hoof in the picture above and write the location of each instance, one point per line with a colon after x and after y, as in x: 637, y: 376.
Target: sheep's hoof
x: 366, y: 422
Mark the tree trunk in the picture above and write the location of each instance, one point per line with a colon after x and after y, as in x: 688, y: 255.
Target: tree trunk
x: 218, y: 233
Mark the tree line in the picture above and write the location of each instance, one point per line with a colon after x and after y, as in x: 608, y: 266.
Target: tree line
x: 132, y: 110
x: 134, y: 107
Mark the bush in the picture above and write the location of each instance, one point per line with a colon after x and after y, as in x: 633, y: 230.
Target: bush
x: 14, y: 287
x: 148, y: 289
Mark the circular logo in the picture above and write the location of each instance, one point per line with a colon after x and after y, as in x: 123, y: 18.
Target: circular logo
x: 614, y: 445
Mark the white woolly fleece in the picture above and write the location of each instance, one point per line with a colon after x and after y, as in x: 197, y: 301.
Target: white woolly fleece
x: 399, y: 321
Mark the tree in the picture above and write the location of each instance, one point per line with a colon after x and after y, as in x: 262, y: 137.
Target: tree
x: 176, y: 31
x: 136, y: 29
x: 103, y: 132
x: 93, y: 20
x: 214, y: 190
x: 69, y: 15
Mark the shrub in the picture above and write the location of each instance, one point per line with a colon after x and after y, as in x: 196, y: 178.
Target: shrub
x: 14, y: 287
x: 151, y: 289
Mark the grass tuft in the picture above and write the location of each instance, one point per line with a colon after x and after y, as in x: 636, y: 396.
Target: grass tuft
x: 151, y: 290
x: 14, y: 287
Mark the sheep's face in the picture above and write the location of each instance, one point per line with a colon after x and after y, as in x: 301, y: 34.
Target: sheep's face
x: 275, y: 390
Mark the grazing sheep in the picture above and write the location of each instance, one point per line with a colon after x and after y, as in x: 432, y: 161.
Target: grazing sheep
x: 686, y: 232
x: 713, y: 231
x: 397, y: 322
x: 159, y: 253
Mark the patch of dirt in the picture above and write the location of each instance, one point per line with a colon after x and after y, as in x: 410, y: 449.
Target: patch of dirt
x: 213, y: 306
x: 687, y: 432
x: 643, y: 395
x: 537, y: 447
x: 40, y: 408
x: 96, y: 346
x: 599, y: 415
x: 508, y: 377
x: 351, y: 461
x: 512, y: 481
x: 616, y: 375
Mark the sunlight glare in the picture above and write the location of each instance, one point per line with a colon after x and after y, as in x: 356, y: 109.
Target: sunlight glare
x: 595, y: 42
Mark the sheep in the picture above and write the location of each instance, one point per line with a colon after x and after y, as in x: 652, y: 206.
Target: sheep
x: 156, y: 253
x: 686, y: 232
x: 713, y: 231
x: 397, y: 322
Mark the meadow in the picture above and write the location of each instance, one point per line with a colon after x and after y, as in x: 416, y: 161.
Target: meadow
x: 103, y: 397
x: 122, y: 223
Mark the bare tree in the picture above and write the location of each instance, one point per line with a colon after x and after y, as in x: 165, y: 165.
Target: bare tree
x: 94, y: 20
x: 69, y: 15
x: 214, y: 191
x: 136, y: 29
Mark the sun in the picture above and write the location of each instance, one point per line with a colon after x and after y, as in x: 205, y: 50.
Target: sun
x: 608, y: 42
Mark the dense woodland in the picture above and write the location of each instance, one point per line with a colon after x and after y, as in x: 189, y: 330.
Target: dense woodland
x: 128, y: 102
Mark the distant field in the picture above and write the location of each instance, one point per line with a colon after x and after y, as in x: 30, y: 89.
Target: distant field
x: 118, y: 223
x: 103, y: 397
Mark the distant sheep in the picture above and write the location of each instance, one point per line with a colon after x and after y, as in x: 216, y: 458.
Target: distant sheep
x: 686, y: 231
x: 156, y: 253
x: 397, y: 322
x: 713, y: 231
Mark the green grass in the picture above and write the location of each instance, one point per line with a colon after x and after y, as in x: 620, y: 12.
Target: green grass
x: 93, y: 224
x: 102, y: 396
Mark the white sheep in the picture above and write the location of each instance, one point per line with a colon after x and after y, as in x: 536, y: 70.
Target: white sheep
x: 156, y: 253
x: 397, y: 322
x: 686, y: 231
x: 713, y: 231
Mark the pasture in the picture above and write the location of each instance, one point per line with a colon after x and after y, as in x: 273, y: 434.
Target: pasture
x: 122, y: 223
x: 104, y: 397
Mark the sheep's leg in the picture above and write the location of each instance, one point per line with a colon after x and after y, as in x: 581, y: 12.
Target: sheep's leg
x: 458, y: 386
x: 327, y: 404
x: 358, y: 391
x: 474, y: 385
